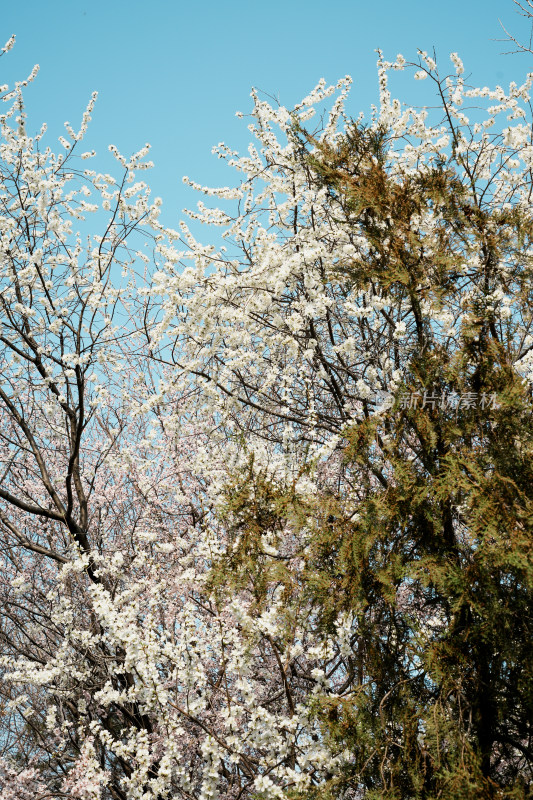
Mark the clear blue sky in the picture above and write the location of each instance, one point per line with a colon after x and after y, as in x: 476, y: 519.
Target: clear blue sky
x: 174, y: 73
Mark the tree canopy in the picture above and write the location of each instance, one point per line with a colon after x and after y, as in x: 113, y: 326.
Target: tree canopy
x: 265, y: 508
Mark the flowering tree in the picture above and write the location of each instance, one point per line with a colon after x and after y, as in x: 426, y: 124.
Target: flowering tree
x: 281, y: 330
x: 264, y: 512
x: 376, y: 296
x: 124, y: 673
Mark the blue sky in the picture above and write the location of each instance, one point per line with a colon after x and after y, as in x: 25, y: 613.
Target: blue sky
x: 175, y: 73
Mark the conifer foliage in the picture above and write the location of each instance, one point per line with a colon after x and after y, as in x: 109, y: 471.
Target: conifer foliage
x: 265, y: 507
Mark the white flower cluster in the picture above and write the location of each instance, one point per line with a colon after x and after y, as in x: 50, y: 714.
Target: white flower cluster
x: 267, y: 320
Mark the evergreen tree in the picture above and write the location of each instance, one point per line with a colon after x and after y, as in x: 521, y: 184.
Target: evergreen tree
x: 424, y: 546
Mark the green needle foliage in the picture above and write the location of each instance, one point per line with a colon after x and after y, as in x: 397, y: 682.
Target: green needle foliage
x: 427, y: 542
